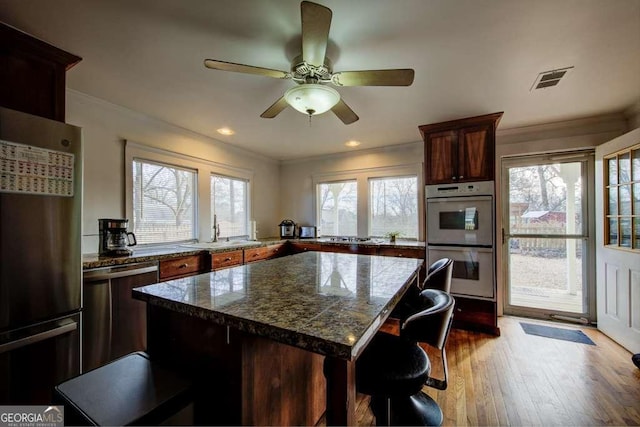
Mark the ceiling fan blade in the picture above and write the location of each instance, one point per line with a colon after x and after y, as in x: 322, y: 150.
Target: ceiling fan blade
x: 344, y: 113
x: 399, y: 77
x: 275, y: 109
x: 316, y: 21
x: 248, y: 69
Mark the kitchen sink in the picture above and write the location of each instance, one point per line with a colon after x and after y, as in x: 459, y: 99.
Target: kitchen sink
x: 221, y: 244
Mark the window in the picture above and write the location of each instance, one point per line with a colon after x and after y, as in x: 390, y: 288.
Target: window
x: 622, y: 198
x: 370, y: 202
x: 172, y: 197
x: 163, y: 202
x: 338, y: 208
x: 229, y: 206
x: 393, y: 206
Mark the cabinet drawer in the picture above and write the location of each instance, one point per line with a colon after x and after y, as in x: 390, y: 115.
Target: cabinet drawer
x: 352, y: 249
x: 183, y: 266
x: 403, y: 253
x: 267, y: 252
x: 226, y: 259
x: 305, y: 247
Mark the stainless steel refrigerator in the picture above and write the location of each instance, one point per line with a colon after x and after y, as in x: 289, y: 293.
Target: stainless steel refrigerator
x: 40, y: 256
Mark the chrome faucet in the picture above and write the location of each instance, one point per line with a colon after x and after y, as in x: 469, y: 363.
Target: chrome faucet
x: 216, y: 228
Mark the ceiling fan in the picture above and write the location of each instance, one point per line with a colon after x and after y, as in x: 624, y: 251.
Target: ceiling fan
x: 312, y: 71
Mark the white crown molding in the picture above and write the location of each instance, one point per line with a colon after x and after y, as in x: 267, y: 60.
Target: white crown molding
x: 83, y: 97
x: 354, y: 153
x: 606, y: 123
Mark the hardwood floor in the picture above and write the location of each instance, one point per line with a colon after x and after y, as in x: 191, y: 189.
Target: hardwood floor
x: 520, y: 379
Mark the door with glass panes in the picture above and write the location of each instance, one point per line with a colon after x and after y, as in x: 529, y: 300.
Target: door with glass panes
x: 548, y: 250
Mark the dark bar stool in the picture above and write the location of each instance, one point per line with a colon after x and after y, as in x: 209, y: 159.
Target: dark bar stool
x: 393, y: 369
x: 132, y: 390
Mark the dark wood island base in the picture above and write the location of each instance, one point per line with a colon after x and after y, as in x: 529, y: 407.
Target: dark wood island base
x: 241, y: 379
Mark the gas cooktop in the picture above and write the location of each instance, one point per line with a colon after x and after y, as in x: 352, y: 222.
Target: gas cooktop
x: 349, y: 239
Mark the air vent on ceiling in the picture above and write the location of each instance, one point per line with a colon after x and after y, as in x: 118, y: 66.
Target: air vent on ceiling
x: 550, y: 78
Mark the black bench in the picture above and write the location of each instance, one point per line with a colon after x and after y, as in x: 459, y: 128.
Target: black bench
x: 132, y: 390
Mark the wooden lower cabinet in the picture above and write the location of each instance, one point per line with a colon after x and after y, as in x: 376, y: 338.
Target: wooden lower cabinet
x: 476, y: 315
x: 184, y: 266
x: 226, y: 259
x: 240, y: 379
x: 264, y: 253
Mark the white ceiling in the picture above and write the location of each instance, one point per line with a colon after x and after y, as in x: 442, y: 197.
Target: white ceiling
x: 470, y: 57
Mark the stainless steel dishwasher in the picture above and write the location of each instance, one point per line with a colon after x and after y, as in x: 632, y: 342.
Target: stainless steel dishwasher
x: 113, y: 323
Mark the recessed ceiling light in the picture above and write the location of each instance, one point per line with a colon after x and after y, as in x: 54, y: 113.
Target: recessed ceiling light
x: 225, y: 131
x: 352, y: 143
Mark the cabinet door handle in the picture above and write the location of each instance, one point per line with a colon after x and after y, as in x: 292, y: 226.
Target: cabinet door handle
x: 227, y: 259
x: 185, y: 265
x: 453, y: 178
x: 461, y: 176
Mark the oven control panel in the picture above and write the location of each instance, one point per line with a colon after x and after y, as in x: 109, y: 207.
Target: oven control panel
x: 483, y: 188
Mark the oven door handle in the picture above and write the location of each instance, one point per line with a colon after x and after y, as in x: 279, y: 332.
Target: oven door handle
x: 32, y: 339
x: 459, y: 199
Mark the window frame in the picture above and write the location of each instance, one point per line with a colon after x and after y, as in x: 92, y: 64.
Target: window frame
x: 317, y: 210
x: 194, y: 208
x: 362, y: 176
x: 246, y: 205
x: 370, y: 210
x: 634, y: 187
x: 205, y: 168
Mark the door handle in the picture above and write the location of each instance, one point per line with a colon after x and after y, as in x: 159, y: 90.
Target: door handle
x: 32, y: 339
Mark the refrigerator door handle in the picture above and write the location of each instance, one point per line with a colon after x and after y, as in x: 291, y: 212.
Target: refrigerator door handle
x: 32, y: 339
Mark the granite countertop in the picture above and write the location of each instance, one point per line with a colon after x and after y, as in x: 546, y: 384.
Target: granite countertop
x: 158, y: 253
x: 327, y: 303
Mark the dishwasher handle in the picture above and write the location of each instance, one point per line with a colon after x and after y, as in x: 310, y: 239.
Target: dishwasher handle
x: 99, y: 275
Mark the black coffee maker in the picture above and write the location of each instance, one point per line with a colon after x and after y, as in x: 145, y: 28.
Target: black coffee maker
x: 114, y: 237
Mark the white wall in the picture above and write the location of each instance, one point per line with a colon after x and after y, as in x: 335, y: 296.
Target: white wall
x: 105, y: 127
x: 296, y: 177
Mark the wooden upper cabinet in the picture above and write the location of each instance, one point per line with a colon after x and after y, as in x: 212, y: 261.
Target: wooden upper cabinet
x: 460, y: 150
x: 33, y: 74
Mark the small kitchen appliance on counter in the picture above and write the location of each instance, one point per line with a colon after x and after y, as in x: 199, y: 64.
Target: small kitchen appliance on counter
x: 307, y: 232
x: 114, y: 238
x: 287, y: 229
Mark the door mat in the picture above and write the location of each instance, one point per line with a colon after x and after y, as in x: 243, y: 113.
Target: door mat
x: 573, y: 335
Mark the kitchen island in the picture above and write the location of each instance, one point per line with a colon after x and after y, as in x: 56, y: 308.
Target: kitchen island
x: 255, y: 337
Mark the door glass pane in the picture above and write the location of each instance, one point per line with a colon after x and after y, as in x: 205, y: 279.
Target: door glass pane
x: 635, y: 154
x: 546, y: 199
x: 625, y: 232
x: 613, y: 200
x: 613, y: 231
x: 546, y: 273
x: 625, y: 199
x: 636, y: 233
x: 612, y: 166
x: 636, y: 199
x: 625, y: 168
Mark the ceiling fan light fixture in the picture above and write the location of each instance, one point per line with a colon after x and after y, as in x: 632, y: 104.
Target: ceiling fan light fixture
x: 312, y: 98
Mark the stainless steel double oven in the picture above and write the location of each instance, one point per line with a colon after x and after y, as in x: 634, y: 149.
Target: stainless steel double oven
x: 461, y: 226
